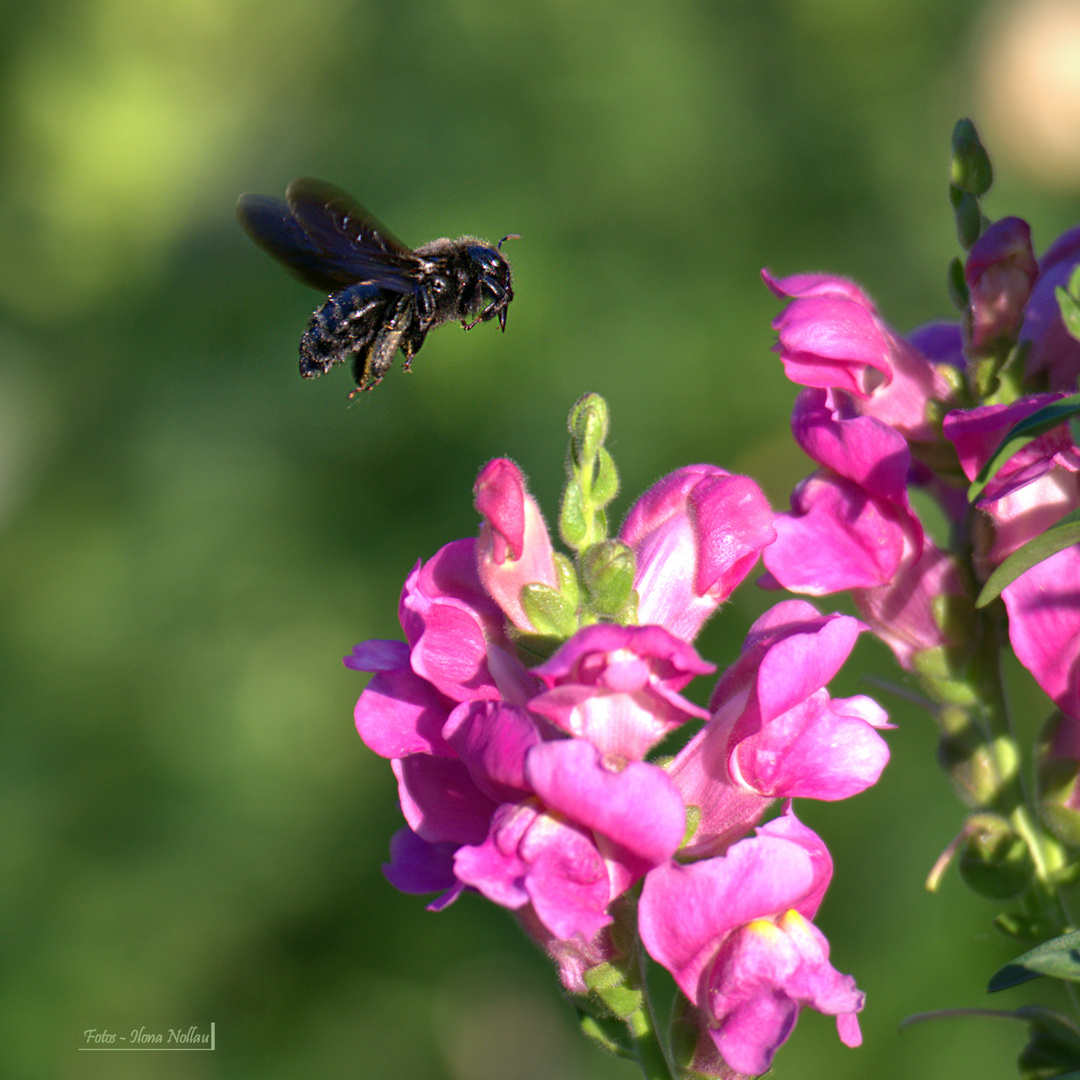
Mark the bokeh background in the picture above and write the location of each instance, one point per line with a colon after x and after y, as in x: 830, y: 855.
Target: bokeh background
x: 191, y: 536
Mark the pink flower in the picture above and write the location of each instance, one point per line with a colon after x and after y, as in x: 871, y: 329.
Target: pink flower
x: 831, y: 336
x: 851, y: 526
x: 908, y: 611
x: 514, y: 549
x: 1054, y: 352
x: 1037, y: 486
x: 735, y: 933
x: 836, y: 536
x: 529, y: 786
x: 591, y: 831
x: 618, y: 687
x: 775, y: 732
x: 1044, y: 626
x: 456, y: 631
x: 696, y: 534
x: 1000, y: 272
x: 850, y: 522
x: 416, y: 708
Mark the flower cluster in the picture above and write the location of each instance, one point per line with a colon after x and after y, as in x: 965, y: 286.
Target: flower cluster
x: 885, y: 416
x: 520, y: 712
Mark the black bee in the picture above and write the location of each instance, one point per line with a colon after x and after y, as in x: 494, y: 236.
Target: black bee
x: 383, y: 296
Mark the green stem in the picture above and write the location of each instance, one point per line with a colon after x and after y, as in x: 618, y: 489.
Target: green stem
x: 647, y: 1046
x: 1016, y: 801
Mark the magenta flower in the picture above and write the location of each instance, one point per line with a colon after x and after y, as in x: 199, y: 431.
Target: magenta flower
x: 456, y: 631
x: 831, y: 336
x: 696, y: 534
x: 1036, y: 487
x: 1000, y: 272
x: 618, y: 687
x: 775, y: 733
x: 850, y: 522
x: 735, y: 932
x: 529, y: 785
x: 1054, y: 352
x: 514, y: 549
x: 851, y: 527
x: 590, y: 832
x: 1044, y: 626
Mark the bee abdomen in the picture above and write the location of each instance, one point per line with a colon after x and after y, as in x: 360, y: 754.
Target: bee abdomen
x: 346, y: 323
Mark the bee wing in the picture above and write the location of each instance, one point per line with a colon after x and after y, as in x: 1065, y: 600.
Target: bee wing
x: 349, y: 237
x: 270, y: 223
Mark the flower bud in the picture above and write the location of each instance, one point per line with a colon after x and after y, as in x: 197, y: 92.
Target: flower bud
x: 1000, y: 273
x: 1056, y: 775
x: 514, y: 549
x: 970, y: 168
x: 994, y: 862
x: 608, y: 573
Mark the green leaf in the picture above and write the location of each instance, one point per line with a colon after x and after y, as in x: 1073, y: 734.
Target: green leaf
x: 1026, y: 431
x: 1070, y: 312
x: 607, y: 1032
x: 1053, y: 1046
x: 1060, y: 535
x: 959, y: 293
x: 1058, y: 958
x: 574, y: 520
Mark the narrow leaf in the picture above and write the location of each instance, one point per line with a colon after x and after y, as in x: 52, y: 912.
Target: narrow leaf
x: 1029, y: 429
x: 1070, y: 312
x: 1059, y: 958
x: 1060, y: 535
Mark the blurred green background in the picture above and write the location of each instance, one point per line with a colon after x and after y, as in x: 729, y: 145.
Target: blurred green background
x: 191, y: 536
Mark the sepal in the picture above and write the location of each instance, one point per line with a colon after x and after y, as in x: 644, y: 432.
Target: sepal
x: 548, y: 611
x: 608, y: 1032
x: 995, y: 862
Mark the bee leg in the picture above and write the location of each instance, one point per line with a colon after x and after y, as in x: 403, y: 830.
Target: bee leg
x: 374, y: 362
x: 498, y: 306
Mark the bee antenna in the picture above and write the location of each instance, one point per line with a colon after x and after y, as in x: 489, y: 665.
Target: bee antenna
x: 508, y: 236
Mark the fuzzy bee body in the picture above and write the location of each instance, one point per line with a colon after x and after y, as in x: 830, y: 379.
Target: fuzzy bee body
x: 382, y: 295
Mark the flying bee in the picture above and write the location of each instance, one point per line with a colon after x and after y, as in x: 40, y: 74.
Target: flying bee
x: 382, y: 295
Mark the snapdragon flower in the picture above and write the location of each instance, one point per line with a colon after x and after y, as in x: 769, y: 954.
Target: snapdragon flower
x: 521, y: 709
x: 888, y: 417
x: 737, y: 935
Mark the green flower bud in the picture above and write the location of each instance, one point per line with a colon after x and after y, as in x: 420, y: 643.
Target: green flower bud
x: 970, y: 168
x: 1057, y: 769
x: 995, y: 862
x: 588, y: 427
x: 607, y: 571
x: 575, y: 520
x: 969, y: 219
